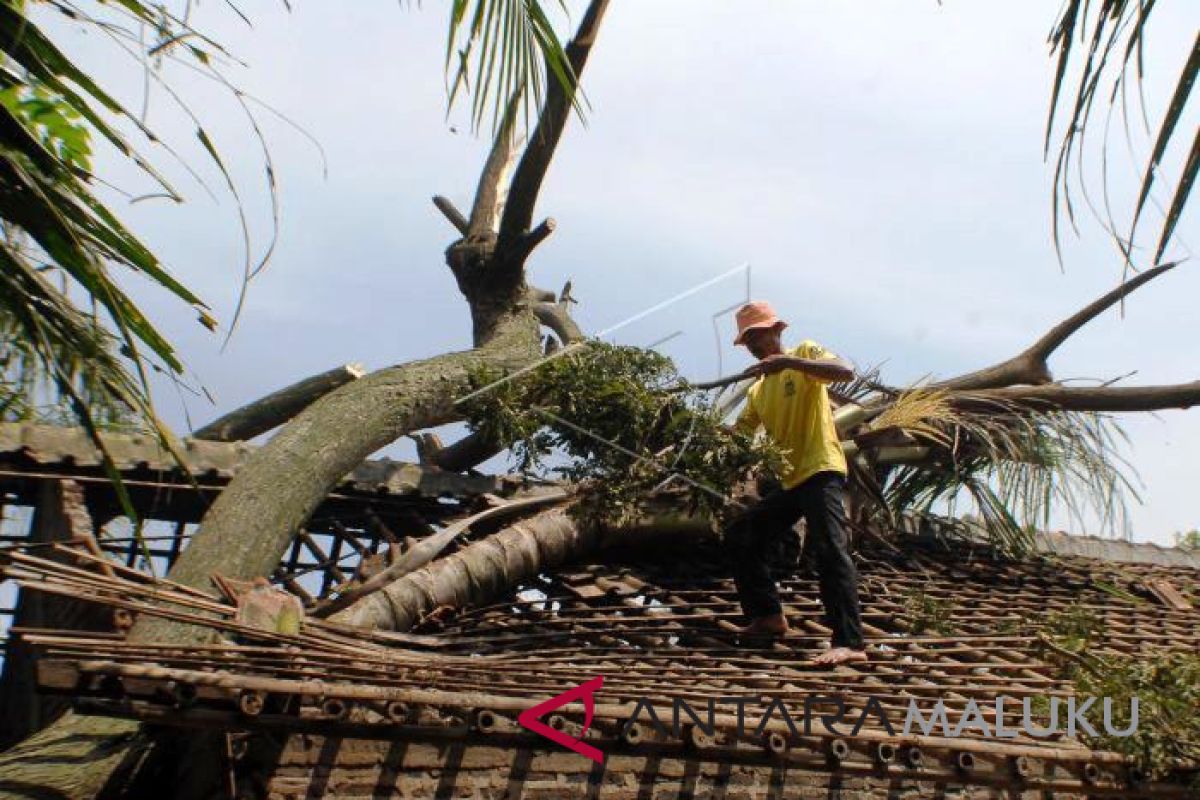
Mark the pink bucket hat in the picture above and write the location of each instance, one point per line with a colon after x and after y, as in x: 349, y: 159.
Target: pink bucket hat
x: 756, y: 314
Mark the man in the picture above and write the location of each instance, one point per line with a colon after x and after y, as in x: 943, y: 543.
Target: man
x: 790, y: 401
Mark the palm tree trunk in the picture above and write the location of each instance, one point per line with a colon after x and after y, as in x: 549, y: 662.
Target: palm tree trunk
x: 488, y: 568
x: 73, y: 758
x: 476, y: 573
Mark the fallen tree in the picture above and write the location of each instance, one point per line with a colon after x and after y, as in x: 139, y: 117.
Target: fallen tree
x: 904, y: 441
x: 931, y: 436
x: 248, y: 528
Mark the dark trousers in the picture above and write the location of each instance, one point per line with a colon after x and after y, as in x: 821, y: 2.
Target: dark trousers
x: 759, y: 532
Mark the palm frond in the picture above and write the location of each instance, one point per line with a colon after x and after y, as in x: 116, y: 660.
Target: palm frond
x: 1112, y: 34
x: 1014, y: 466
x: 45, y: 198
x: 76, y: 345
x: 925, y: 413
x: 499, y: 49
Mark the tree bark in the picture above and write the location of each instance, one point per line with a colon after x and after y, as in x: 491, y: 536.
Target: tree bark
x: 467, y: 452
x: 427, y: 550
x: 252, y: 522
x: 72, y: 759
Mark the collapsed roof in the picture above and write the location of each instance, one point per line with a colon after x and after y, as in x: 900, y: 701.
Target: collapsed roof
x: 369, y: 713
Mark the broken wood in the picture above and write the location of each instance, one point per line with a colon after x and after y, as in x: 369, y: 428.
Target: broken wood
x: 278, y: 407
x: 428, y: 549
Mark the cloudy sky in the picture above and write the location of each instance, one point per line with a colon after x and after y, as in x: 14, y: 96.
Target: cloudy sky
x: 878, y: 166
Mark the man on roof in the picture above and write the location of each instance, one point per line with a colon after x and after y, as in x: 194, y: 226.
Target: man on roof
x: 790, y: 401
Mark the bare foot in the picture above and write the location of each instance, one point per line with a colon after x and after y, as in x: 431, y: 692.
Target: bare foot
x: 840, y: 655
x: 774, y: 625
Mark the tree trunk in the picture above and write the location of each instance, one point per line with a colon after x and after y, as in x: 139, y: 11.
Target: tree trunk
x: 280, y: 486
x: 250, y: 525
x: 73, y: 758
x: 482, y: 571
x: 475, y: 573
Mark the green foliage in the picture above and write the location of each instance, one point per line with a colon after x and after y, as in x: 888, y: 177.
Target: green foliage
x: 503, y: 46
x: 1167, y: 686
x: 927, y: 614
x: 624, y: 424
x: 27, y: 394
x: 1074, y: 628
x: 1189, y: 540
x: 76, y: 345
x: 1165, y: 683
x: 53, y: 120
x: 59, y: 242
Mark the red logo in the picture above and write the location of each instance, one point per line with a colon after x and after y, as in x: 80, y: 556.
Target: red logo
x: 531, y: 718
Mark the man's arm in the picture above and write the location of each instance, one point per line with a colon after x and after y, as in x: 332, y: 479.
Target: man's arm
x: 828, y: 370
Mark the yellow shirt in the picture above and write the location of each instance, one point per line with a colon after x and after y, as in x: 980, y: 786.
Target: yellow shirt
x: 794, y: 408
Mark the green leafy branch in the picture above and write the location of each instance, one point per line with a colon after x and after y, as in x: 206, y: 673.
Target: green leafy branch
x: 624, y: 426
x: 1165, y: 683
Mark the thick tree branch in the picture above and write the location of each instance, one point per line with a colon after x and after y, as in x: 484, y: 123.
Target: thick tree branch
x: 531, y: 170
x: 555, y: 317
x: 474, y: 449
x: 1030, y: 367
x: 430, y: 548
x: 485, y: 569
x: 469, y: 451
x: 278, y: 407
x: 555, y: 314
x: 1098, y: 398
x: 537, y: 295
x: 529, y: 242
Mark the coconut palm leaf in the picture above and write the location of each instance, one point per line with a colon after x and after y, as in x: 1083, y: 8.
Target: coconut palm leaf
x: 498, y: 49
x: 60, y: 247
x: 1013, y: 465
x: 45, y: 197
x: 1112, y: 35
